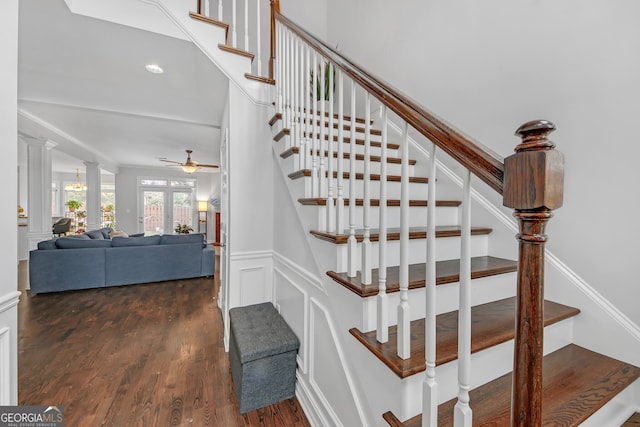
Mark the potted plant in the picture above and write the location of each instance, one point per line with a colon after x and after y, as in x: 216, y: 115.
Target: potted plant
x: 108, y: 208
x: 183, y: 229
x: 73, y: 205
x: 81, y: 215
x: 320, y: 84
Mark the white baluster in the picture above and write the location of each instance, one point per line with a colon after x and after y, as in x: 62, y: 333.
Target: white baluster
x: 340, y: 201
x: 233, y: 24
x: 404, y: 315
x: 430, y: 386
x: 220, y: 15
x: 246, y: 25
x: 382, y: 329
x: 321, y: 98
x: 308, y: 125
x: 259, y: 39
x: 295, y: 123
x: 301, y: 124
x: 286, y: 81
x: 206, y: 8
x: 277, y: 71
x: 352, y: 244
x: 315, y: 184
x: 365, y: 270
x: 331, y: 217
x: 462, y: 414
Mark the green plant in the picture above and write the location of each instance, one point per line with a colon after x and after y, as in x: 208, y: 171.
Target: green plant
x: 183, y: 229
x: 327, y: 71
x: 81, y: 214
x: 73, y: 205
x: 108, y: 208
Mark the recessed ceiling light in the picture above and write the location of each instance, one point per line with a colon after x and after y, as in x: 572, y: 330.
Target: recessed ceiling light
x: 153, y: 68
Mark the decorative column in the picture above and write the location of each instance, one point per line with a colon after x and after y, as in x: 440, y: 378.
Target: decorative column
x: 39, y: 189
x: 533, y: 186
x: 94, y: 192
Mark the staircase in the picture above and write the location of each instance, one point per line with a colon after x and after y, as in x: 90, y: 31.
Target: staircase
x: 577, y: 381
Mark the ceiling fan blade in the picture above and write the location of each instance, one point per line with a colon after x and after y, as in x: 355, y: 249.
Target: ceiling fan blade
x: 202, y: 165
x: 170, y: 161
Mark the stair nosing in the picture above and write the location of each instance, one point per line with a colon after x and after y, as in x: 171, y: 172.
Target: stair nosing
x: 359, y: 157
x: 322, y: 201
x: 200, y: 17
x: 236, y: 51
x: 392, y: 234
x: 360, y: 176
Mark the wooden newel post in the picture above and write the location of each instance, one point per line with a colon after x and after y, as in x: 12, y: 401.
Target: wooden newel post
x: 275, y: 8
x: 533, y: 186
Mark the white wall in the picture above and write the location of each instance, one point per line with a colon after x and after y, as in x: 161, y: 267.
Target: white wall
x: 488, y: 67
x: 309, y: 14
x: 127, y: 192
x: 8, y: 213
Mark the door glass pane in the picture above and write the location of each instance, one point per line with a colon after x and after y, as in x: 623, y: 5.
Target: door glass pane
x: 182, y: 209
x: 153, y: 212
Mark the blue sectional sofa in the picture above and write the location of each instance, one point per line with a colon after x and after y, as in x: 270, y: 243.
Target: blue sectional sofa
x: 93, y: 260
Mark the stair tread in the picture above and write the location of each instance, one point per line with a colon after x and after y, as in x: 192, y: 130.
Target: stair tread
x: 360, y: 176
x: 204, y: 18
x: 346, y: 126
x: 634, y: 420
x: 491, y: 324
x: 262, y: 79
x: 393, y: 233
x: 321, y: 201
x: 395, y: 160
x: 235, y: 50
x: 446, y: 272
x: 346, y: 139
x: 576, y: 383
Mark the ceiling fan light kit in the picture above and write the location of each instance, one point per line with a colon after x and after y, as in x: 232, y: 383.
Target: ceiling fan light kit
x: 190, y: 166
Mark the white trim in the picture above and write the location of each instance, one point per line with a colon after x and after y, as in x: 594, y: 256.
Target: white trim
x: 244, y: 256
x: 309, y: 406
x: 612, y: 311
x: 311, y: 278
x: 5, y: 366
x: 9, y: 300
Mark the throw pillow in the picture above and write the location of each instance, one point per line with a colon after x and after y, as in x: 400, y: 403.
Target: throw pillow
x: 105, y: 232
x: 95, y: 234
x: 115, y: 233
x: 47, y: 244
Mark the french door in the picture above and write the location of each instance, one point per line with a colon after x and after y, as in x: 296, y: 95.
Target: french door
x: 162, y: 209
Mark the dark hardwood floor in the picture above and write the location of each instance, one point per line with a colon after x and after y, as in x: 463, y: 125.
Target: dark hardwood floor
x: 140, y: 355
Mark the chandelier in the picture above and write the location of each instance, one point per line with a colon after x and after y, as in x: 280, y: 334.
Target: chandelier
x: 77, y: 184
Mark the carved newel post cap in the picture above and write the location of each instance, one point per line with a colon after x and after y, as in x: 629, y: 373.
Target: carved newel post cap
x: 534, y: 175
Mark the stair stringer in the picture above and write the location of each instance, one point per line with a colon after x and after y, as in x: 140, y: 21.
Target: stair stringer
x: 205, y: 36
x: 329, y: 394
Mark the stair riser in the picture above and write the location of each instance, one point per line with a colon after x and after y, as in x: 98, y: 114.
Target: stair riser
x: 417, y: 215
x: 295, y: 162
x: 486, y: 365
x: 286, y: 141
x: 483, y: 290
x: 446, y: 248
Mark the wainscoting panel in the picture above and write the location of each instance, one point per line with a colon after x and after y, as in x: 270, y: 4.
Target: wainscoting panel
x: 330, y: 381
x: 250, y: 278
x: 5, y: 366
x: 292, y: 302
x: 9, y: 348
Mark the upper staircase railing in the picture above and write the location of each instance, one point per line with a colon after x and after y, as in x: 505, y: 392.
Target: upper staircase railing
x: 307, y: 70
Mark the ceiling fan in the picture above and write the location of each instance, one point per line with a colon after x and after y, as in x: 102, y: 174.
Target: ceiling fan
x: 190, y: 166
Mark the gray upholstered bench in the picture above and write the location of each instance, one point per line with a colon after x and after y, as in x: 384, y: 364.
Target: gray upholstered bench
x: 263, y: 352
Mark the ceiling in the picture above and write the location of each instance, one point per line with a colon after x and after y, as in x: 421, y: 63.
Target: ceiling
x: 83, y: 85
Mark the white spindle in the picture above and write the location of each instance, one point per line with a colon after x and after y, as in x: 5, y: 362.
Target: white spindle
x: 382, y: 328
x: 301, y: 102
x: 206, y: 8
x: 259, y: 39
x: 462, y: 415
x: 315, y: 184
x: 331, y: 212
x: 234, y: 42
x: 365, y: 273
x: 430, y: 386
x: 320, y: 70
x: 404, y: 316
x: 308, y: 126
x: 220, y: 15
x: 352, y: 244
x: 278, y: 67
x: 340, y: 201
x: 246, y: 25
x: 295, y: 122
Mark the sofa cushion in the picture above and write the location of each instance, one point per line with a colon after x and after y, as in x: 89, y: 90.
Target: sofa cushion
x: 119, y: 241
x: 77, y: 243
x: 178, y: 239
x: 136, y: 235
x: 47, y: 244
x: 95, y: 234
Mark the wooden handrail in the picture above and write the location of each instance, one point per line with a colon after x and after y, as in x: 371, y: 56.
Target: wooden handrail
x: 479, y: 159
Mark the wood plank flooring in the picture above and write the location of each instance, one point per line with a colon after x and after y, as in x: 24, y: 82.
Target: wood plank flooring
x: 634, y: 420
x: 140, y: 355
